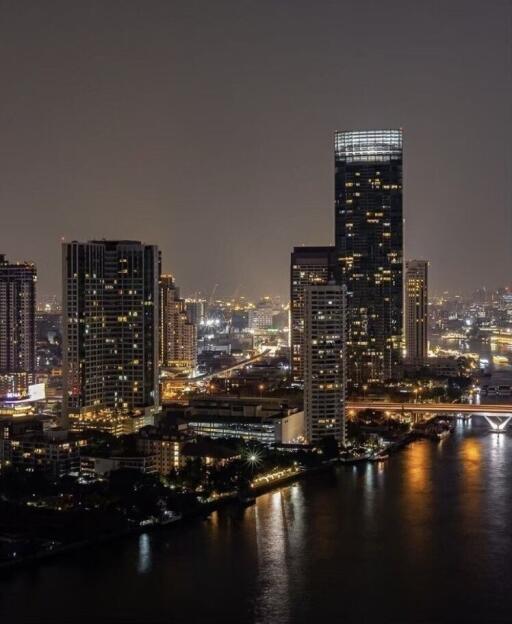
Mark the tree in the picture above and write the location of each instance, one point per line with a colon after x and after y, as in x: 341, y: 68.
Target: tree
x: 329, y: 447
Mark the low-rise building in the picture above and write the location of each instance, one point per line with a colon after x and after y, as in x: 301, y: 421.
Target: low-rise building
x: 166, y: 446
x: 96, y: 466
x: 209, y: 452
x: 439, y: 366
x: 268, y: 421
x: 117, y: 424
x: 55, y: 452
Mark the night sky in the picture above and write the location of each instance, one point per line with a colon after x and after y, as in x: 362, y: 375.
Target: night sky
x: 206, y: 127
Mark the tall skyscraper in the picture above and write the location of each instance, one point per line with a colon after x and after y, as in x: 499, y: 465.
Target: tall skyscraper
x: 178, y: 335
x: 324, y: 367
x: 309, y: 265
x: 369, y: 248
x: 416, y: 310
x: 110, y: 330
x: 17, y: 326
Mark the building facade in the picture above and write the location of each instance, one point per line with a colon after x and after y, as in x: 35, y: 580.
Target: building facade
x: 178, y: 335
x: 267, y: 421
x: 369, y: 249
x: 17, y: 327
x: 55, y: 452
x: 196, y: 311
x: 261, y: 317
x: 416, y: 311
x: 110, y: 329
x: 309, y: 265
x: 324, y: 367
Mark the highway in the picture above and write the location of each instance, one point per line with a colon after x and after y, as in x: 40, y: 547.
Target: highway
x: 226, y: 372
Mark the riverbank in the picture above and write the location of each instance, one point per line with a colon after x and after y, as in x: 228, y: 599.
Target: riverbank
x: 201, y: 512
x: 263, y: 485
x: 390, y: 525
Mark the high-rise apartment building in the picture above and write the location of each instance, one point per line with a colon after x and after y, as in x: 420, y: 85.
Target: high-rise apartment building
x: 309, y: 265
x: 17, y: 327
x: 369, y: 249
x: 196, y: 311
x: 110, y: 330
x: 324, y: 367
x: 178, y: 335
x: 416, y: 310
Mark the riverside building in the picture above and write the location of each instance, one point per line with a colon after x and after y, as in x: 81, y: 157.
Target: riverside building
x: 369, y: 249
x: 110, y: 334
x: 324, y: 367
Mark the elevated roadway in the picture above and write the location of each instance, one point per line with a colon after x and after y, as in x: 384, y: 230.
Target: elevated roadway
x: 459, y: 408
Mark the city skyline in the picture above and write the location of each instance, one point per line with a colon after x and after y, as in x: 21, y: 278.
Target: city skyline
x: 256, y: 311
x: 117, y: 142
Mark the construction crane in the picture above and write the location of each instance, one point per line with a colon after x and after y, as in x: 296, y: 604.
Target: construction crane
x: 235, y: 294
x: 212, y: 295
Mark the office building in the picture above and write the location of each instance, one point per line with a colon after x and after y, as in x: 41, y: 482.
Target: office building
x: 416, y: 310
x: 324, y: 367
x: 309, y: 265
x: 369, y: 249
x: 178, y: 335
x: 17, y: 327
x: 110, y: 331
x: 261, y: 317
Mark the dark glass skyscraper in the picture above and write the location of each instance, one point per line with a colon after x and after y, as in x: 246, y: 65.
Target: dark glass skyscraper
x: 369, y: 249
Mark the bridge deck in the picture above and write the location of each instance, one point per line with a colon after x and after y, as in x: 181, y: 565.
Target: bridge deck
x: 463, y: 408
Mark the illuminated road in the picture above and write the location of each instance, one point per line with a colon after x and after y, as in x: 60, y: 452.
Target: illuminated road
x: 461, y: 408
x: 226, y: 372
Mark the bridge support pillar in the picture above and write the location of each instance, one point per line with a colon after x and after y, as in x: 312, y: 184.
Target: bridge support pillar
x: 498, y: 424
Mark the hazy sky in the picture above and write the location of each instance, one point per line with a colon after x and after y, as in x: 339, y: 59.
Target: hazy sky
x: 207, y: 127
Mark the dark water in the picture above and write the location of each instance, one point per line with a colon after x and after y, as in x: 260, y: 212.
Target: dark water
x: 426, y: 537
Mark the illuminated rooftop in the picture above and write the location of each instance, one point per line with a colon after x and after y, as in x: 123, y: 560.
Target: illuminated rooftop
x: 368, y: 145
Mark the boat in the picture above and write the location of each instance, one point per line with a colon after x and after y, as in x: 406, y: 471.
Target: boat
x: 355, y: 459
x: 169, y: 517
x: 378, y: 458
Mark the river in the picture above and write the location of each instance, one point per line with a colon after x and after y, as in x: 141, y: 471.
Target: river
x: 424, y: 537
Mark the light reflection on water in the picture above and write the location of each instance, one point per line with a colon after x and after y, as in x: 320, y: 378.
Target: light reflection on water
x: 418, y: 538
x: 272, y: 540
x: 417, y: 497
x: 144, y: 560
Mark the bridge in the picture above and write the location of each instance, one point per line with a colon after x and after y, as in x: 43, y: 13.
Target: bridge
x: 226, y: 372
x: 498, y: 415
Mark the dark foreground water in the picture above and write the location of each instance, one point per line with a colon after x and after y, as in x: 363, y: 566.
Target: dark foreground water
x: 426, y: 537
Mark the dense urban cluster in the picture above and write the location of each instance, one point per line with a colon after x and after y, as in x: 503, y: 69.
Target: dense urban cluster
x: 124, y: 405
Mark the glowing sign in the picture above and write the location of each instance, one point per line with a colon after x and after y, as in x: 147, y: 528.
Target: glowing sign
x: 36, y: 392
